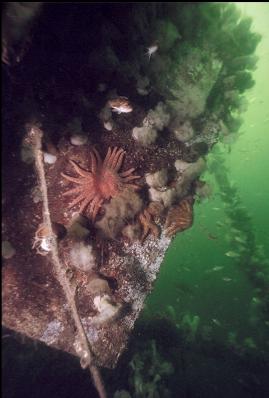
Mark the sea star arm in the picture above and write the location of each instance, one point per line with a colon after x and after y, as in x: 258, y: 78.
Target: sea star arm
x: 80, y: 170
x: 76, y: 200
x: 94, y: 206
x: 118, y: 158
x: 73, y: 179
x: 72, y: 191
x: 105, y: 163
x: 96, y: 161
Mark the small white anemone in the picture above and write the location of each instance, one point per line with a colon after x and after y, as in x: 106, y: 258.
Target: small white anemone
x: 106, y: 308
x: 157, y: 179
x: 83, y: 256
x: 145, y: 135
x: 78, y: 227
x: 183, y: 132
x: 181, y: 166
x: 49, y: 158
x: 78, y: 139
x: 167, y: 197
x: 108, y: 125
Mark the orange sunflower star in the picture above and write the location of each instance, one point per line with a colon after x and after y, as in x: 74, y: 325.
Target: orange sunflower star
x: 102, y: 182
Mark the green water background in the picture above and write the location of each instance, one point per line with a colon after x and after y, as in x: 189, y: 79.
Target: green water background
x: 223, y: 299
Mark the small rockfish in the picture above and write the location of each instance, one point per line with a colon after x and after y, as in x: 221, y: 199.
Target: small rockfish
x: 120, y: 105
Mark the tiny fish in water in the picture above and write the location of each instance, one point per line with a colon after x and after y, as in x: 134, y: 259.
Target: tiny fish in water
x: 231, y: 254
x: 120, y: 105
x: 215, y: 269
x: 152, y: 49
x: 226, y: 279
x: 256, y: 300
x: 239, y: 239
x: 216, y: 322
x: 212, y: 237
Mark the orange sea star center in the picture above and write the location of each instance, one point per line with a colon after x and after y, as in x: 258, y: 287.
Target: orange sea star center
x: 102, y: 182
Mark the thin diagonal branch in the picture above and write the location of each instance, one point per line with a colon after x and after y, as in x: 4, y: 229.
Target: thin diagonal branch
x: 35, y: 136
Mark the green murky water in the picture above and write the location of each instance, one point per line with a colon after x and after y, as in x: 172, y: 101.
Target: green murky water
x: 207, y: 284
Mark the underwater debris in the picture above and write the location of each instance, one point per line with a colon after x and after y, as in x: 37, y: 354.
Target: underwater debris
x: 102, y: 182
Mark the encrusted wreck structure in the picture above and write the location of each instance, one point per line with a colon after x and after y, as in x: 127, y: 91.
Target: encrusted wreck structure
x: 114, y: 143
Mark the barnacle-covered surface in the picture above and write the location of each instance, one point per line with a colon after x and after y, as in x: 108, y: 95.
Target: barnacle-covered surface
x: 196, y: 79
